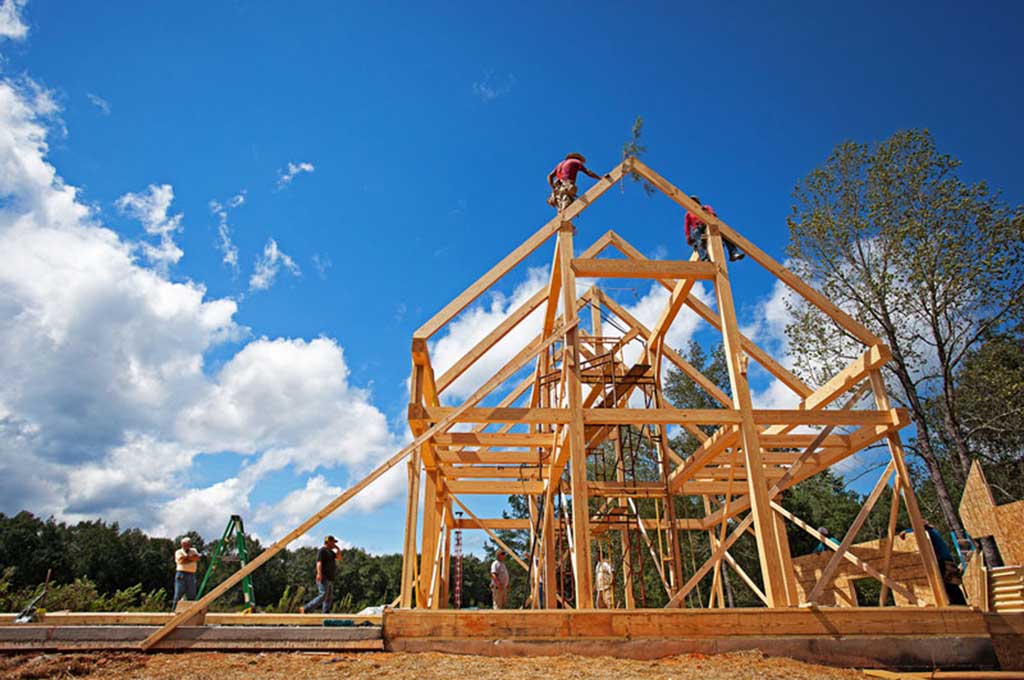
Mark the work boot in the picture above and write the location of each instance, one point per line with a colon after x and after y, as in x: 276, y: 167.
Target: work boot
x: 736, y: 255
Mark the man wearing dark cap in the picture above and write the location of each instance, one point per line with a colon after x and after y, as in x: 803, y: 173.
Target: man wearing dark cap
x: 562, y: 180
x: 326, y: 568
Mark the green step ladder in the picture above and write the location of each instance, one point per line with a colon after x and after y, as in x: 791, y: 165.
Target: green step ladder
x: 236, y: 529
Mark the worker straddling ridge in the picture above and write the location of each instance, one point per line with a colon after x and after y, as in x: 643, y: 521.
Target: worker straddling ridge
x: 186, y: 560
x: 563, y: 180
x: 499, y: 581
x: 604, y: 583
x: 697, y: 235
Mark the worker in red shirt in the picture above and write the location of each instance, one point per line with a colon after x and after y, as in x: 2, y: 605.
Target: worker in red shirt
x: 562, y: 180
x: 697, y: 237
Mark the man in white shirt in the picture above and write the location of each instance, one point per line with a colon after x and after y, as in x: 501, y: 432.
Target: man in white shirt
x: 186, y: 561
x: 604, y: 582
x: 499, y: 581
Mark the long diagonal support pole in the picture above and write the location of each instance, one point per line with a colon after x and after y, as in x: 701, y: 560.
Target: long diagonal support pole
x: 524, y: 358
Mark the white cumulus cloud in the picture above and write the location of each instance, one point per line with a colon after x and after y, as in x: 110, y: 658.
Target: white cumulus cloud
x: 106, y: 400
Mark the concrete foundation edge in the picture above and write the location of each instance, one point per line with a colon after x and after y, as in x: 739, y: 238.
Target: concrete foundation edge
x: 903, y: 653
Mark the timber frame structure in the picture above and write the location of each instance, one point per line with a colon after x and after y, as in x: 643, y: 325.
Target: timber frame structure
x: 552, y: 434
x: 578, y: 406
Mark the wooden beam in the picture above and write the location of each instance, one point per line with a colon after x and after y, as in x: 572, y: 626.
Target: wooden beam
x: 489, y: 472
x: 509, y: 488
x: 851, y: 535
x: 767, y: 541
x: 928, y: 558
x: 847, y: 555
x: 643, y: 269
x: 575, y: 439
x: 668, y: 314
x: 494, y: 537
x: 723, y: 438
x: 850, y: 324
x: 489, y: 523
x: 516, y: 256
x: 465, y: 457
x: 784, y: 375
x: 686, y: 367
x: 510, y: 439
x: 490, y: 340
x: 203, y: 603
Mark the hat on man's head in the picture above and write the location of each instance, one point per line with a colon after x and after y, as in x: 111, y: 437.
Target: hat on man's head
x: 577, y: 156
x: 330, y: 539
x: 823, y: 530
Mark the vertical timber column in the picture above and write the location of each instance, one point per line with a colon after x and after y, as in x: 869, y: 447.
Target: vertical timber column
x: 549, y: 576
x: 576, y: 440
x: 768, y: 549
x: 786, y: 557
x: 431, y: 525
x: 672, y: 529
x: 627, y: 557
x: 411, y: 513
x: 446, y: 558
x: 931, y: 564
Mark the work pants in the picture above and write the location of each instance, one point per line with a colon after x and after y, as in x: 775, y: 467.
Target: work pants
x: 324, y: 597
x: 499, y: 596
x: 184, y: 586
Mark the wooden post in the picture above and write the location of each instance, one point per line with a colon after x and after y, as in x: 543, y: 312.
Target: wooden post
x: 851, y: 535
x: 924, y: 544
x: 575, y: 441
x: 890, y: 538
x: 409, y: 550
x: 768, y: 547
x: 431, y: 528
x: 786, y: 558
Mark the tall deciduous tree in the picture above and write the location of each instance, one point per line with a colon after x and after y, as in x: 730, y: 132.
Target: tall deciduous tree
x: 931, y: 264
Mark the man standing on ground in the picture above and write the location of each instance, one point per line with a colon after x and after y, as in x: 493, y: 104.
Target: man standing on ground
x: 604, y: 574
x: 697, y: 235
x: 186, y: 561
x: 499, y: 581
x: 562, y: 180
x: 326, y: 568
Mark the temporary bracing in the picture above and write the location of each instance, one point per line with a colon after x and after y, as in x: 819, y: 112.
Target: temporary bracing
x: 589, y: 423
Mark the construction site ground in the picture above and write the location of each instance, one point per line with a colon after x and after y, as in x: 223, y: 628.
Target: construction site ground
x: 426, y: 666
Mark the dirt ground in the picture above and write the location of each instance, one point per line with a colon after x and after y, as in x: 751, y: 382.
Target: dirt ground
x: 428, y: 666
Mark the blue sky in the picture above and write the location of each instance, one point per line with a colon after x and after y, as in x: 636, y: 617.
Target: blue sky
x: 428, y: 130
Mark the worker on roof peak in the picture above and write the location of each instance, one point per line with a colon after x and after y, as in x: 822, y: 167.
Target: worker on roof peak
x: 697, y: 234
x: 562, y: 180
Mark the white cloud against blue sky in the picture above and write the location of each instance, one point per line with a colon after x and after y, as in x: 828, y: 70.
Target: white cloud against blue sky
x: 206, y: 296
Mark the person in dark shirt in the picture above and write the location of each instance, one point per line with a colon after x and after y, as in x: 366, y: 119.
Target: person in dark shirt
x: 326, y: 568
x: 562, y: 180
x: 951, y: 576
x: 696, y: 235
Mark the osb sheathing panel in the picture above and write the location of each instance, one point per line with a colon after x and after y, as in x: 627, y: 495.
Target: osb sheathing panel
x: 905, y: 568
x: 1010, y: 519
x: 982, y: 517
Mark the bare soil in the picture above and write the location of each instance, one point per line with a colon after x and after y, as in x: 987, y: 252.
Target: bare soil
x: 427, y: 666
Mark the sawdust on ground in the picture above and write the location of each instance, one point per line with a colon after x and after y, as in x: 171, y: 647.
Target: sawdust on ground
x: 425, y: 666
